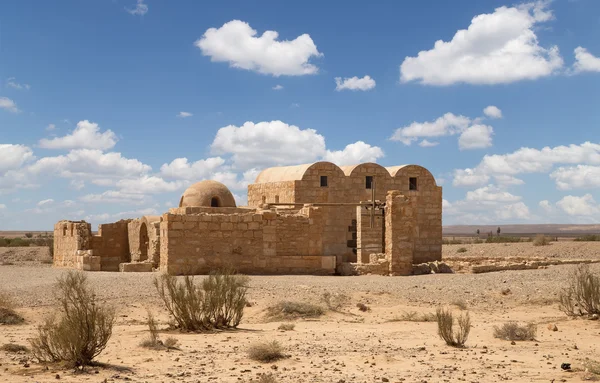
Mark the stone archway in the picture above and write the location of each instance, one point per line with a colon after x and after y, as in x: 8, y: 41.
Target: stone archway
x: 144, y: 242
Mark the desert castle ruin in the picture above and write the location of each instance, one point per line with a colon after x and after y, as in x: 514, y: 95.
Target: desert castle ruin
x: 306, y: 219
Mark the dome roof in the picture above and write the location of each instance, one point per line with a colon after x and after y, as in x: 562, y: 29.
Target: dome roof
x: 207, y: 193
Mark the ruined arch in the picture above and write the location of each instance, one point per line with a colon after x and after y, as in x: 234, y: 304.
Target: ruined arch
x: 144, y: 242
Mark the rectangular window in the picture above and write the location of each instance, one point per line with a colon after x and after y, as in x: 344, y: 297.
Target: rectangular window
x: 412, y: 183
x: 369, y: 182
x: 323, y: 181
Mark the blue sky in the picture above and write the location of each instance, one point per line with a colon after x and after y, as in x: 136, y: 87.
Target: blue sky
x: 110, y: 109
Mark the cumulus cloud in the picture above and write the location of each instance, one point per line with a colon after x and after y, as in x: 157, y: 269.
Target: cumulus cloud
x: 115, y: 196
x: 488, y: 204
x: 13, y: 157
x: 181, y: 168
x: 585, y: 61
x: 491, y: 193
x: 184, y: 114
x: 476, y: 137
x: 513, y: 211
x: 45, y: 202
x: 237, y: 43
x: 354, y: 83
x: 355, y: 153
x: 546, y: 206
x: 499, y: 47
x: 576, y: 177
x: 12, y: 83
x: 530, y: 160
x: 582, y: 206
x: 447, y: 125
x: 278, y: 87
x: 9, y: 105
x: 149, y: 185
x: 492, y: 112
x: 86, y: 135
x: 268, y: 143
x: 76, y: 184
x: 140, y: 9
x: 428, y: 144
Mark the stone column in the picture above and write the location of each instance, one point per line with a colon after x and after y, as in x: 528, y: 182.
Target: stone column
x: 399, y: 232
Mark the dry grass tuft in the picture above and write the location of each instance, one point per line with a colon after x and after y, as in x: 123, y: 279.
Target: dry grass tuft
x: 286, y: 327
x: 413, y: 316
x: 460, y: 303
x: 8, y: 315
x: 582, y: 296
x: 215, y: 304
x: 513, y: 331
x: 267, y: 378
x: 445, y: 321
x: 80, y: 329
x: 541, y: 240
x: 334, y: 302
x: 14, y: 348
x: 362, y: 307
x: 288, y: 310
x: 266, y: 351
x: 461, y: 250
x: 592, y: 366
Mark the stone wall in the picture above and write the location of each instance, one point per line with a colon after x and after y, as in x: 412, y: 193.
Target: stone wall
x: 133, y: 233
x: 112, y: 244
x: 70, y: 237
x: 400, y: 227
x: 369, y: 239
x: 273, y: 192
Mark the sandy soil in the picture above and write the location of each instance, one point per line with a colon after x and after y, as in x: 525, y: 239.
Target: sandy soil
x: 343, y: 346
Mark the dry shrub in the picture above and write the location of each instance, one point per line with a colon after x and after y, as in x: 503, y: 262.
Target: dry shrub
x: 334, y: 302
x: 152, y: 341
x: 286, y: 327
x: 14, y: 348
x: 592, y: 366
x: 266, y: 351
x: 505, y: 291
x: 582, y: 296
x: 514, y: 331
x: 80, y: 329
x: 8, y: 315
x: 461, y: 250
x: 215, y: 304
x: 362, y: 307
x: 445, y: 321
x: 460, y: 303
x: 294, y: 310
x: 541, y: 240
x: 171, y: 343
x: 267, y: 378
x: 413, y: 316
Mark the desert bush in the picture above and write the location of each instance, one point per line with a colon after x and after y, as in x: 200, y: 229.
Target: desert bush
x: 171, y: 342
x: 461, y: 250
x: 286, y: 327
x: 294, y: 310
x: 8, y: 315
x: 29, y: 235
x: 541, y: 240
x: 460, y: 303
x: 266, y: 351
x: 217, y: 303
x: 445, y: 321
x: 514, y: 331
x: 592, y: 366
x: 582, y: 295
x: 14, y: 348
x: 334, y: 302
x: 362, y: 307
x: 477, y: 241
x: 152, y: 341
x: 80, y: 329
x: 502, y: 239
x: 413, y: 316
x: 588, y: 238
x: 446, y: 241
x: 267, y: 378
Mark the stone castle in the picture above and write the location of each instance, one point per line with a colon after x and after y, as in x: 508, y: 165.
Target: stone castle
x: 307, y: 219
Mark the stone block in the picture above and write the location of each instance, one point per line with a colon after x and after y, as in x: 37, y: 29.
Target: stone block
x: 135, y: 267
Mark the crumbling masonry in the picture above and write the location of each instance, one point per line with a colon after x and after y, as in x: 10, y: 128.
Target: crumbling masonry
x: 307, y: 219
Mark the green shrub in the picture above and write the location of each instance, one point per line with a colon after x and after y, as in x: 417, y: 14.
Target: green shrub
x: 582, y: 295
x: 80, y: 329
x: 502, y: 239
x: 29, y: 235
x: 446, y: 241
x: 514, y: 331
x: 217, y: 303
x: 588, y: 238
x: 445, y: 321
x: 266, y: 351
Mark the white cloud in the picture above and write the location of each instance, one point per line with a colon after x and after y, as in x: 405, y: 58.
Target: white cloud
x: 428, y: 144
x: 500, y: 47
x: 513, y: 211
x: 13, y: 156
x: 506, y: 180
x: 8, y: 104
x: 115, y: 196
x: 149, y: 185
x: 184, y: 114
x: 278, y: 87
x: 11, y: 82
x: 180, y: 168
x: 355, y: 153
x: 2, y: 206
x: 50, y: 127
x: 546, y: 206
x: 354, y: 83
x: 236, y: 43
x: 577, y: 177
x: 85, y: 136
x: 140, y: 8
x: 76, y: 184
x: 469, y: 177
x: 573, y: 205
x: 585, y: 61
x: 491, y: 193
x: 492, y: 112
x: 447, y: 125
x: 46, y: 202
x: 268, y: 143
x: 90, y: 164
x: 476, y: 137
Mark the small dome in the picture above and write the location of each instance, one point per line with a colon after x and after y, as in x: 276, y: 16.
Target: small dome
x: 207, y: 194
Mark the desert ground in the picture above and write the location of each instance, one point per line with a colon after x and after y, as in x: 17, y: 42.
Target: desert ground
x: 345, y: 344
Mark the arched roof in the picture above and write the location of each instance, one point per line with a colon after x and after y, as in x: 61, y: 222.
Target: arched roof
x: 286, y: 173
x: 395, y: 170
x: 201, y: 194
x: 349, y: 169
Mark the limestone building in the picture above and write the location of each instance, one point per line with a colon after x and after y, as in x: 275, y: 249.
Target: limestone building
x: 305, y: 219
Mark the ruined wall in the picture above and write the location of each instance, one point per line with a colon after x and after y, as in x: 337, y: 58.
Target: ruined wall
x: 400, y: 227
x: 144, y: 239
x: 369, y: 239
x: 253, y: 242
x: 271, y: 192
x: 69, y: 237
x: 112, y: 244
x: 133, y: 234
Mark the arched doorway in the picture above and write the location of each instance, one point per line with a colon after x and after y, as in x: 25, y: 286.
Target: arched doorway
x: 144, y: 242
x: 214, y: 202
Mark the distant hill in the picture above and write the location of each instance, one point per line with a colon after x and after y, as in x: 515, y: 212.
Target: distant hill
x: 556, y: 229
